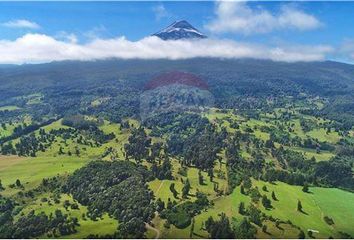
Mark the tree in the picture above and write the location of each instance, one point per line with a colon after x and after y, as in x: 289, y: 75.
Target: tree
x: 269, y: 144
x: 219, y: 229
x: 164, y: 171
x: 274, y: 197
x: 255, y: 195
x: 186, y: 188
x: 301, y: 235
x: 169, y: 204
x: 241, y: 208
x: 202, y: 199
x: 138, y: 146
x: 305, y: 188
x: 247, y: 183
x: 264, y: 228
x: 299, y: 206
x: 173, y: 190
x: 1, y: 187
x: 160, y: 205
x: 77, y: 151
x: 245, y: 230
x: 264, y: 188
x: 266, y: 202
x: 155, y: 150
x: 255, y: 215
x: 154, y: 169
x: 18, y: 183
x: 200, y: 178
x: 211, y: 174
x: 242, y: 190
x: 61, y: 151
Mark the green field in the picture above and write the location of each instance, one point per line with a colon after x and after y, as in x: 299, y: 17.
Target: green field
x: 316, y: 206
x: 9, y: 108
x: 320, y: 202
x: 309, y: 153
x: 31, y: 171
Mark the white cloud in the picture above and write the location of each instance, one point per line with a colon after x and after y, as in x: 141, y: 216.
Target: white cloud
x: 21, y: 23
x: 34, y: 48
x: 96, y: 32
x: 160, y: 11
x: 347, y: 48
x: 238, y: 17
x: 65, y: 36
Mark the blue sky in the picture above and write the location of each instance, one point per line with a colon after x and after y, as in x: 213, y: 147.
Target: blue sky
x: 322, y: 24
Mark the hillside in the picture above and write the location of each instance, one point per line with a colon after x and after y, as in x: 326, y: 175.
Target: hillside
x: 259, y: 149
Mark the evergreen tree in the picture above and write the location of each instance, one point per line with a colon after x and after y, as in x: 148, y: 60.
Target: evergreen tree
x: 266, y: 202
x: 247, y: 183
x: 173, y: 190
x: 138, y: 146
x: 18, y: 183
x: 200, y: 178
x: 299, y: 206
x: 77, y: 151
x: 245, y: 230
x: 274, y: 197
x: 211, y: 174
x: 154, y: 169
x: 160, y: 205
x: 61, y: 151
x: 301, y: 235
x: 242, y: 190
x: 255, y: 215
x: 305, y: 188
x: 241, y: 208
x: 220, y: 229
x: 186, y: 188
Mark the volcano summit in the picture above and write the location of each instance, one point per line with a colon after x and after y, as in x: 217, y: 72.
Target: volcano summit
x: 180, y: 30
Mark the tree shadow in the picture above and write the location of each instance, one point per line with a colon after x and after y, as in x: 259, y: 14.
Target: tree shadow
x: 198, y: 235
x: 303, y: 212
x: 279, y: 227
x: 268, y: 233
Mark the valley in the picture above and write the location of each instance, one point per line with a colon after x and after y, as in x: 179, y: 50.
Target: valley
x: 68, y: 145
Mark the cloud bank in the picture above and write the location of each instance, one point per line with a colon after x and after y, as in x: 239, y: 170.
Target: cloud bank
x: 35, y: 48
x: 238, y: 17
x: 21, y: 23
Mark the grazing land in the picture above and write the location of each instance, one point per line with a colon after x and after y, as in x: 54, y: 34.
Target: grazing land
x: 80, y: 159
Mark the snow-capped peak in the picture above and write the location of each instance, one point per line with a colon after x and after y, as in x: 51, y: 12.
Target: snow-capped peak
x: 179, y: 30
